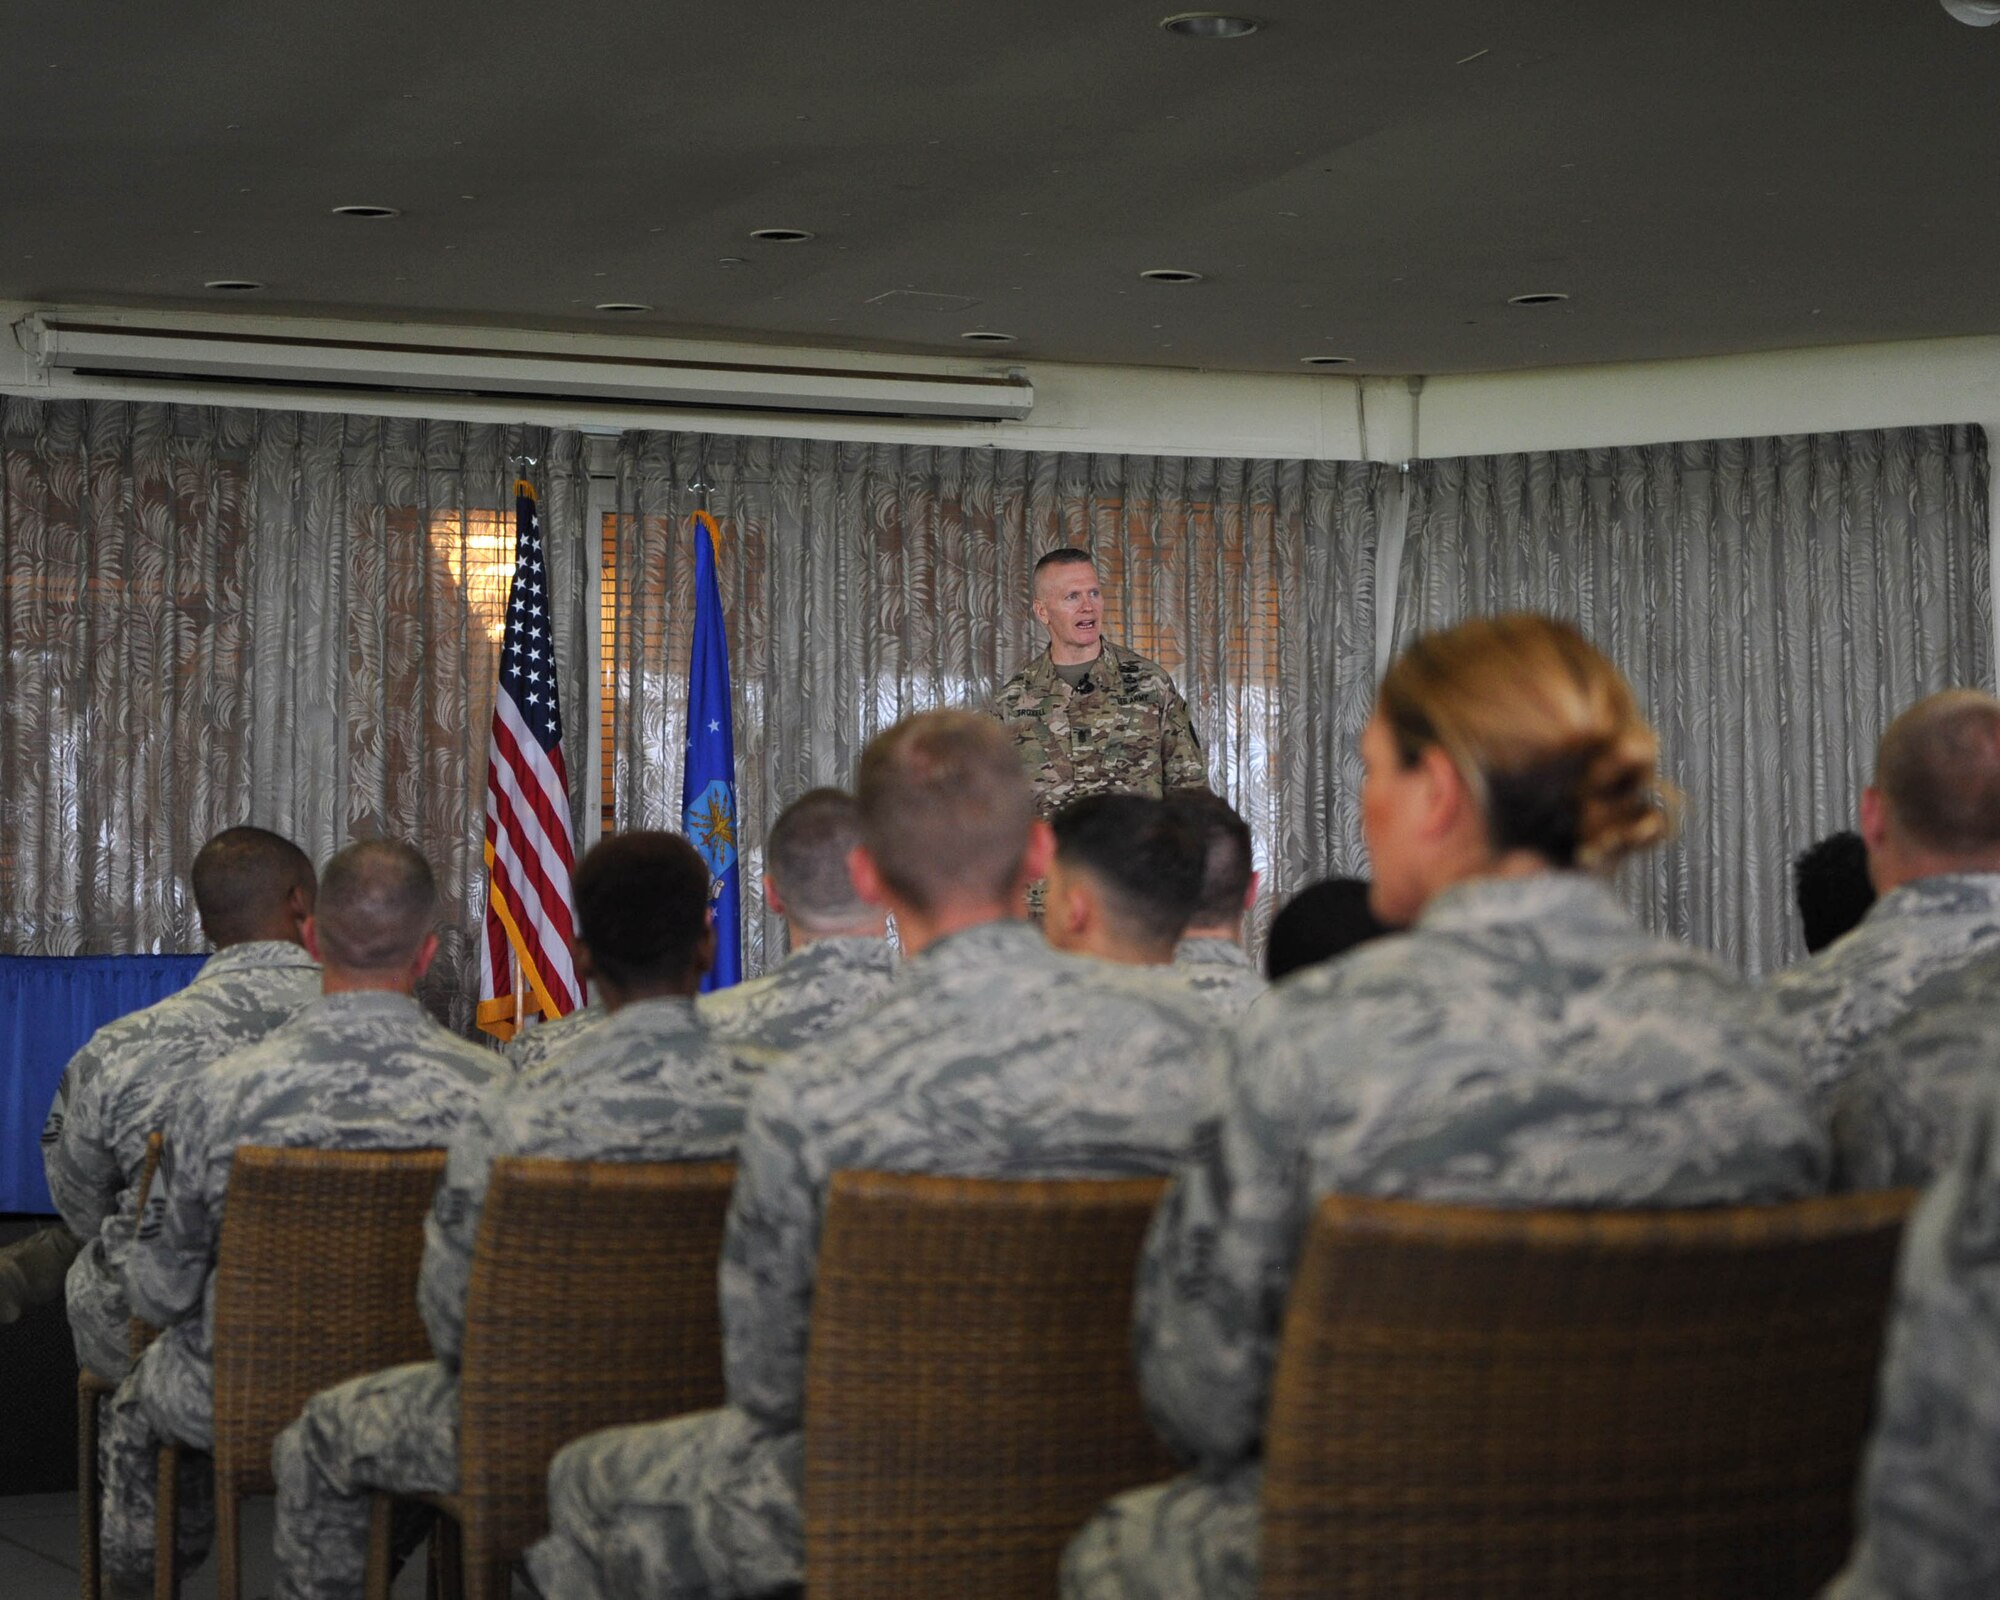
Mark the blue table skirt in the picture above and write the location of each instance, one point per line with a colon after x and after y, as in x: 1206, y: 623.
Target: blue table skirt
x: 49, y: 1005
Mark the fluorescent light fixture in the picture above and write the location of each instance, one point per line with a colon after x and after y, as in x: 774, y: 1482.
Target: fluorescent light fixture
x: 80, y: 349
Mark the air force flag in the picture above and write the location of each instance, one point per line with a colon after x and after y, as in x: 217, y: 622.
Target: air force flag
x: 708, y: 784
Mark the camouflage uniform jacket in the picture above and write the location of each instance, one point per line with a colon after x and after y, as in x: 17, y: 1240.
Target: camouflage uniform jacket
x: 1220, y: 973
x: 647, y: 1083
x: 1860, y: 983
x: 530, y: 1049
x: 1525, y: 1044
x: 1899, y: 1111
x: 993, y: 1056
x: 814, y: 990
x: 1930, y: 1484
x: 117, y: 1090
x: 363, y: 1070
x: 1131, y: 733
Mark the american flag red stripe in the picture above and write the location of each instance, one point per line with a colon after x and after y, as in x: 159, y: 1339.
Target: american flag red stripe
x: 526, y: 963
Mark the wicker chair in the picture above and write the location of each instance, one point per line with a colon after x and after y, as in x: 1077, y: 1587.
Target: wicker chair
x: 592, y: 1303
x: 1508, y: 1404
x: 315, y: 1282
x: 90, y: 1388
x: 970, y: 1397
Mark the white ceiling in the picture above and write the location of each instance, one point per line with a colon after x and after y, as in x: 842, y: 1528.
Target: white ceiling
x: 1366, y: 178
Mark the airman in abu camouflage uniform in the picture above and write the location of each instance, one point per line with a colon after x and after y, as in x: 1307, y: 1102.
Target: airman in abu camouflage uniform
x: 1524, y: 1044
x: 1899, y: 1111
x: 1931, y: 822
x: 361, y: 1068
x: 1211, y: 959
x: 252, y: 890
x: 841, y: 961
x: 1089, y: 715
x: 1930, y: 1484
x: 648, y: 1083
x: 993, y: 1056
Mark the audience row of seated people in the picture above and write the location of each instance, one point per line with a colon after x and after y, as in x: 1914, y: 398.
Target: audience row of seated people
x: 1521, y: 1042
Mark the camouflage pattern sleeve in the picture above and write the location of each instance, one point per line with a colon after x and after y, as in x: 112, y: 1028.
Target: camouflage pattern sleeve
x: 1217, y: 1262
x: 181, y: 1225
x: 769, y: 1250
x: 1930, y: 1489
x: 451, y: 1228
x: 1898, y: 1111
x: 1181, y: 761
x: 81, y: 1163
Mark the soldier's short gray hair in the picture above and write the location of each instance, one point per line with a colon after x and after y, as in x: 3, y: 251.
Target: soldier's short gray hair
x: 806, y: 856
x: 1938, y: 767
x: 946, y: 808
x: 377, y: 904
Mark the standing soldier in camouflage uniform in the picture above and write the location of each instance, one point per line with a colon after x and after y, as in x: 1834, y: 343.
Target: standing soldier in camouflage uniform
x: 1524, y: 1044
x: 993, y: 1056
x: 1930, y: 1484
x: 1903, y: 1104
x: 361, y: 1068
x: 841, y: 961
x: 1210, y: 958
x: 648, y: 1084
x: 253, y: 891
x: 1931, y: 821
x: 1089, y: 715
x: 1123, y: 881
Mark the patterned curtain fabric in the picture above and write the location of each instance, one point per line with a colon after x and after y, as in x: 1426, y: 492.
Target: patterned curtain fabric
x: 218, y: 616
x: 865, y: 582
x: 1773, y: 601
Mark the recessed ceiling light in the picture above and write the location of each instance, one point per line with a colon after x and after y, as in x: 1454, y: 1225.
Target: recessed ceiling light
x: 628, y: 306
x: 1328, y: 361
x: 1170, y: 275
x: 1544, y: 298
x: 987, y: 336
x: 1209, y: 25
x: 781, y: 235
x: 370, y: 213
x: 232, y: 285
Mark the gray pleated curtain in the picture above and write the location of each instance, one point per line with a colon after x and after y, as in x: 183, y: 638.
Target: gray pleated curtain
x: 1774, y: 601
x: 220, y: 616
x: 865, y: 582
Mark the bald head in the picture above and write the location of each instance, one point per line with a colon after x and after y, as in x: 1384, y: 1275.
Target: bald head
x: 946, y: 810
x: 250, y: 883
x: 377, y: 908
x: 1938, y: 775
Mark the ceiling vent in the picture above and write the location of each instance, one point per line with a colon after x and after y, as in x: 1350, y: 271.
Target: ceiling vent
x: 118, y: 355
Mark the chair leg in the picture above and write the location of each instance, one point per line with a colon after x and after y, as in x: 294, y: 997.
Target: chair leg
x: 88, y: 1388
x: 228, y: 1541
x: 450, y: 1538
x: 381, y: 1525
x: 166, y: 1502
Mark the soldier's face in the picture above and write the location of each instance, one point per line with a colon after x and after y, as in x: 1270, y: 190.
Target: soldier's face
x: 1069, y: 603
x: 1393, y: 802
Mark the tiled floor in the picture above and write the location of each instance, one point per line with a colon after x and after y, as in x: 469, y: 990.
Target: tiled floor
x: 38, y: 1559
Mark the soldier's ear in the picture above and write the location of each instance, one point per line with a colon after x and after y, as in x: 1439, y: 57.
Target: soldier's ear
x: 1443, y: 795
x: 773, y: 901
x: 426, y: 954
x: 867, y: 881
x: 1250, y: 894
x: 1040, y: 852
x: 309, y: 937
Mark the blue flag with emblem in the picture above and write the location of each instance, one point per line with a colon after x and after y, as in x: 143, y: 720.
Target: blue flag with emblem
x: 708, y: 784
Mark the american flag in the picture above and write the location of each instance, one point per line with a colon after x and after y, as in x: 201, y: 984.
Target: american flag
x: 530, y: 851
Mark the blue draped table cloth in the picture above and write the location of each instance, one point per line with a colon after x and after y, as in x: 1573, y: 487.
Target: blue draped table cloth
x: 49, y: 1005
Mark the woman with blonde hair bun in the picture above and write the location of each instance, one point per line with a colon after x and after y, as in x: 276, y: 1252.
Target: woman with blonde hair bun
x: 1525, y: 1043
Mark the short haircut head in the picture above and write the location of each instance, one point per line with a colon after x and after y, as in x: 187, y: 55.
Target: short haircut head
x: 806, y: 856
x: 1225, y: 882
x: 243, y: 879
x: 377, y: 905
x: 1067, y: 556
x: 1834, y: 891
x: 642, y: 907
x: 1323, y: 920
x: 1939, y: 770
x: 946, y: 808
x: 1146, y: 857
